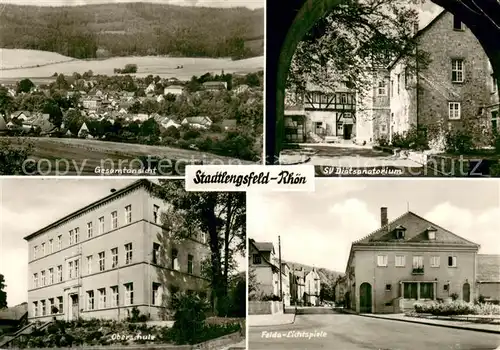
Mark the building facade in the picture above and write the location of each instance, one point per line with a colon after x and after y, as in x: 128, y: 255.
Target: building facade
x: 262, y: 262
x: 409, y: 260
x: 312, y: 288
x: 488, y: 277
x: 111, y: 256
x: 448, y: 94
x: 340, y: 288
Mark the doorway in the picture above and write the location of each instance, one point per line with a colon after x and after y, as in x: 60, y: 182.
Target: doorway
x: 365, y: 298
x: 466, y: 292
x: 73, y: 307
x: 347, y: 131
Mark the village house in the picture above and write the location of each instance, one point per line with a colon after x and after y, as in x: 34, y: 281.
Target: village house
x: 285, y: 283
x: 104, y: 259
x: 91, y: 103
x: 454, y: 89
x: 313, y: 288
x: 324, y: 115
x: 297, y: 286
x: 84, y: 131
x: 240, y: 89
x: 409, y: 260
x: 488, y: 277
x: 339, y: 288
x: 176, y: 90
x: 262, y: 262
x: 197, y: 122
x: 150, y: 89
x: 20, y: 115
x: 230, y: 124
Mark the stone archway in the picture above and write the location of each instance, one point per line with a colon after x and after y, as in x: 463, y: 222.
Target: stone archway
x: 486, y: 31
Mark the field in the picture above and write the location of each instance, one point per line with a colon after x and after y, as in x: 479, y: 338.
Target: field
x: 166, y: 67
x: 10, y: 58
x: 81, y: 157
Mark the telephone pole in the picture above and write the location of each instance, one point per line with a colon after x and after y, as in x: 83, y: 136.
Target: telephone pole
x: 281, y: 281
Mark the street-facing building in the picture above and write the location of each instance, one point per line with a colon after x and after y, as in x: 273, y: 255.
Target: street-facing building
x: 110, y: 256
x: 262, y: 262
x: 409, y: 260
x: 313, y: 288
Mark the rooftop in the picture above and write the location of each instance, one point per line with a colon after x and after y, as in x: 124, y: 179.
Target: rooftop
x: 416, y: 231
x: 488, y: 268
x: 112, y: 196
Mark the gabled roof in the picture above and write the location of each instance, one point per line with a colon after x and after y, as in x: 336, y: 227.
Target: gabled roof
x: 416, y: 232
x: 14, y: 313
x: 174, y: 87
x: 421, y: 32
x: 488, y: 268
x: 256, y: 245
x: 199, y: 120
x: 264, y: 246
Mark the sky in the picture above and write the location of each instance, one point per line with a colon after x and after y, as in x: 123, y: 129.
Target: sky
x: 317, y: 228
x: 252, y: 4
x: 29, y: 204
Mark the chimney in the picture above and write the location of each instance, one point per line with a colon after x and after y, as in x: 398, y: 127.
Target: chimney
x: 383, y: 217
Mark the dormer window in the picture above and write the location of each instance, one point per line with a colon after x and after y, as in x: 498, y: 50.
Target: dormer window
x: 400, y: 232
x: 431, y: 233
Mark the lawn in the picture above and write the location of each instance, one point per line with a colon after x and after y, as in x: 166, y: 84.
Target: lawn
x: 81, y: 157
x: 50, y: 63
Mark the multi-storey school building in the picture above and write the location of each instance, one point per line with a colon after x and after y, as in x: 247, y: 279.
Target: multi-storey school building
x: 110, y: 256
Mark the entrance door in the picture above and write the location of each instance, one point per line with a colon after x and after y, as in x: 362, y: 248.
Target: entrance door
x: 365, y: 298
x: 73, y: 310
x: 347, y: 131
x: 466, y: 292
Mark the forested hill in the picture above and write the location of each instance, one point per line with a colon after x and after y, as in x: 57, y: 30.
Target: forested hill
x: 130, y: 29
x: 326, y: 276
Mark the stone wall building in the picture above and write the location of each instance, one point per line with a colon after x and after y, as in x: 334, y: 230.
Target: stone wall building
x: 451, y: 92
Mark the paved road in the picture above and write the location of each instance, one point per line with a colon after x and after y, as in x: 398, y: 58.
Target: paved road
x: 346, y: 158
x: 352, y: 332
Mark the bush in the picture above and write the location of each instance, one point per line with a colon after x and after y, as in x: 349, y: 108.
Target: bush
x: 173, y: 132
x: 414, y: 139
x: 454, y: 296
x: 129, y: 68
x: 496, y: 143
x: 457, y: 308
x: 382, y: 142
x: 189, y: 318
x: 270, y: 297
x: 459, y: 142
x: 191, y: 134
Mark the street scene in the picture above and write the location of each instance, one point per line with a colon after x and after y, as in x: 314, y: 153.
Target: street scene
x: 83, y: 93
x: 382, y: 263
x: 391, y: 101
x: 117, y: 265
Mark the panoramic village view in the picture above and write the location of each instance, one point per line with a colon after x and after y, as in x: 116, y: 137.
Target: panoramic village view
x: 407, y: 97
x: 375, y: 264
x: 122, y: 263
x: 83, y: 93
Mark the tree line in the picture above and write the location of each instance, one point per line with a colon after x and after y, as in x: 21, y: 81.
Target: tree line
x: 105, y: 30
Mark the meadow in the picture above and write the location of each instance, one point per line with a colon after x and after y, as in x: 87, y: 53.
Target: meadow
x: 83, y: 156
x: 16, y: 63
